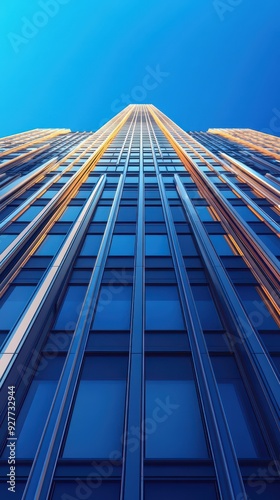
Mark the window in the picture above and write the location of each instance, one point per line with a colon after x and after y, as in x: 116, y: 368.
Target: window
x: 70, y: 214
x: 122, y: 244
x: 6, y: 240
x: 37, y: 403
x: 30, y: 213
x: 13, y: 303
x: 154, y: 214
x: 70, y: 308
x: 113, y: 308
x: 180, y: 490
x: 174, y: 426
x: 104, y: 379
x: 204, y: 214
x: 156, y: 244
x: 91, y: 245
x: 101, y: 213
x: 127, y: 214
x: 242, y: 423
x: 246, y: 214
x: 163, y: 308
x: 178, y: 214
x: 272, y: 242
x: 187, y: 245
x: 221, y: 245
x: 266, y: 488
x: 51, y: 244
x: 99, y: 489
x: 255, y: 307
x: 206, y: 308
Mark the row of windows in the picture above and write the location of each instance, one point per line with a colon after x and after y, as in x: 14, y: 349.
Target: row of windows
x: 174, y: 425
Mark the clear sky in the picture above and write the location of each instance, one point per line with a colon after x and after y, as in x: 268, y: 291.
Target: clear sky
x: 75, y: 63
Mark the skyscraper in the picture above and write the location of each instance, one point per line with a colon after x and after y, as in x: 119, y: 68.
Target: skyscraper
x: 140, y: 312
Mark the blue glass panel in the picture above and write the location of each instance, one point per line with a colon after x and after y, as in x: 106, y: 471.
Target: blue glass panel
x: 266, y: 488
x: 204, y: 214
x: 256, y: 309
x: 95, y: 489
x: 174, y: 426
x: 50, y: 245
x: 105, y: 396
x: 18, y: 495
x: 70, y: 308
x: 206, y: 308
x: 12, y: 304
x: 272, y: 242
x: 101, y: 214
x: 247, y: 214
x: 49, y: 194
x: 5, y: 240
x: 163, y: 308
x: 127, y: 214
x: 113, y: 308
x: 187, y: 245
x: 173, y: 490
x: 154, y: 214
x: 220, y: 244
x: 91, y: 245
x: 33, y: 415
x: 178, y: 214
x: 30, y: 214
x: 156, y: 244
x: 242, y: 423
x: 122, y: 244
x: 70, y: 214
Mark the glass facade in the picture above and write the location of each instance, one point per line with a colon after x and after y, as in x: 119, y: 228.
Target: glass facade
x: 139, y: 321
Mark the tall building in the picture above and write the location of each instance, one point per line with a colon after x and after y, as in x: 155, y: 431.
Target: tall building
x: 139, y: 315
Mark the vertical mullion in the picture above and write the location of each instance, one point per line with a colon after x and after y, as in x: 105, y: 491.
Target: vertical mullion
x: 132, y: 470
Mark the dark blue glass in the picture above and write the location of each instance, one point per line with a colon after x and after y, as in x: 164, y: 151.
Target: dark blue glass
x: 163, y: 308
x: 173, y: 422
x: 113, y: 308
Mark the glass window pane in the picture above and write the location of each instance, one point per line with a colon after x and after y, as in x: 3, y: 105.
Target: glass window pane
x: 204, y: 214
x: 127, y: 214
x: 70, y: 308
x: 206, y: 308
x: 50, y: 245
x: 30, y: 214
x: 101, y: 213
x: 157, y: 244
x: 113, y: 308
x: 163, y: 308
x: 272, y: 242
x: 242, y: 423
x: 70, y: 214
x: 178, y: 214
x: 220, y: 244
x: 101, y: 490
x: 5, y: 240
x: 247, y: 214
x: 13, y: 303
x: 174, y: 427
x: 37, y: 403
x: 154, y: 214
x: 122, y: 244
x: 255, y: 308
x: 104, y: 380
x: 173, y: 490
x: 91, y: 245
x: 187, y: 245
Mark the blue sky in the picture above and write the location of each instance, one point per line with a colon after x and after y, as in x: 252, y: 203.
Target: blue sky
x: 74, y: 63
